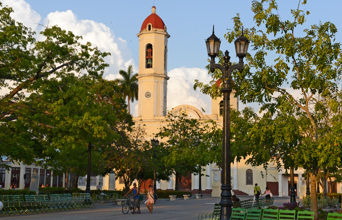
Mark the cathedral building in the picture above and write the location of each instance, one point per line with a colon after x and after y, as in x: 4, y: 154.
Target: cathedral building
x: 152, y: 80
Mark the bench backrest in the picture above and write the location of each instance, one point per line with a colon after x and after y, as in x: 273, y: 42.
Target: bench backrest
x: 287, y: 214
x: 270, y: 214
x: 238, y: 213
x: 305, y: 215
x: 253, y: 214
x: 334, y: 216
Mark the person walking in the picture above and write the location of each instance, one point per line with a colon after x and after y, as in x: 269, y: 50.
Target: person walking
x: 136, y: 202
x: 268, y: 194
x: 257, y: 192
x: 150, y: 199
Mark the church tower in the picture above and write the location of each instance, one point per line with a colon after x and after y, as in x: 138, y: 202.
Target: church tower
x: 152, y: 76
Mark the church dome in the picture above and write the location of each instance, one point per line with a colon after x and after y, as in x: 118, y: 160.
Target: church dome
x: 154, y: 20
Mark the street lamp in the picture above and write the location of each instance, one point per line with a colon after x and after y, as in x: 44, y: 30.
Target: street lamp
x: 213, y: 47
x: 154, y: 142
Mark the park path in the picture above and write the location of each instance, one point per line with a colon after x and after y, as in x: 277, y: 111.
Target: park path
x: 179, y: 209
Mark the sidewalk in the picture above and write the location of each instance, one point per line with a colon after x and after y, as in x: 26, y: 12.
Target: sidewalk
x: 164, y: 209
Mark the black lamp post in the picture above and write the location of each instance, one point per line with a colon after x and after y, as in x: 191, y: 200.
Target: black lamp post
x: 154, y: 142
x: 89, y: 168
x: 292, y: 188
x: 213, y: 47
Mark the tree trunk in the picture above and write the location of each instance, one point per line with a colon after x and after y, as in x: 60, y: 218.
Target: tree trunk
x: 128, y: 104
x: 178, y: 179
x: 73, y: 181
x: 325, y: 193
x: 307, y: 183
x: 127, y: 184
x: 66, y: 180
x: 313, y: 196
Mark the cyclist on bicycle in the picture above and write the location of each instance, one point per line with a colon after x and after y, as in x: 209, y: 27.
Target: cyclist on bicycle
x: 136, y: 203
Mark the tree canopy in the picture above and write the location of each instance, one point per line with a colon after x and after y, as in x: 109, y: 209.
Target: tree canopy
x: 294, y: 71
x: 190, y: 144
x: 54, y: 101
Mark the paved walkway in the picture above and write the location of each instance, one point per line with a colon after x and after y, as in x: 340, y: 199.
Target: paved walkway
x: 179, y: 209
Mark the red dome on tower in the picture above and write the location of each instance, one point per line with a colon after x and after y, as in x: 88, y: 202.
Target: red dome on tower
x: 154, y: 20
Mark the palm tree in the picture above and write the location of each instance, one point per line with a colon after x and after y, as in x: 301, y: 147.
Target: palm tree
x: 129, y: 85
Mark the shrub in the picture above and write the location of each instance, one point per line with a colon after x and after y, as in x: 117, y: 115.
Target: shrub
x: 165, y: 193
x: 306, y: 202
x: 289, y: 206
x: 106, y: 195
x: 332, y: 202
x: 17, y: 192
x: 58, y: 190
x: 331, y: 195
x: 322, y: 203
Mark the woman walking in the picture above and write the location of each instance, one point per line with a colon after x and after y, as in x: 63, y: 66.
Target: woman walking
x: 268, y: 194
x: 150, y: 199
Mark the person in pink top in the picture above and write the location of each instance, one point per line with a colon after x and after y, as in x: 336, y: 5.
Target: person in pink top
x: 268, y: 194
x: 150, y: 199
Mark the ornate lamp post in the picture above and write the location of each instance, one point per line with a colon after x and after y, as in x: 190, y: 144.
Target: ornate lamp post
x: 213, y: 47
x: 154, y: 142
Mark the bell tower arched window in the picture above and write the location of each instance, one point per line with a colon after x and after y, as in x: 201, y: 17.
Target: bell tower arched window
x: 149, y: 56
x: 249, y: 177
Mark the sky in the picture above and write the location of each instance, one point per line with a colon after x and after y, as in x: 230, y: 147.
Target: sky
x: 113, y: 25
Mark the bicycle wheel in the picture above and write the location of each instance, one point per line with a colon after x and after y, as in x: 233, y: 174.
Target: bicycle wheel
x: 125, y: 208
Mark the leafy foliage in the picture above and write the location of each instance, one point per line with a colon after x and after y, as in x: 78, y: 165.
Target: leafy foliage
x: 129, y: 85
x: 293, y: 73
x: 189, y: 142
x: 56, y: 103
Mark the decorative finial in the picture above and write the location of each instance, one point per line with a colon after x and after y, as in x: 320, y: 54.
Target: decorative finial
x: 213, y: 29
x: 153, y: 9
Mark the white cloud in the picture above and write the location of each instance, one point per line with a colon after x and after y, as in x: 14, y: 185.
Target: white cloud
x: 23, y: 13
x: 180, y: 88
x: 99, y: 35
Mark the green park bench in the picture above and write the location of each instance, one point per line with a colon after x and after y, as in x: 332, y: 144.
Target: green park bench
x: 213, y: 215
x: 253, y: 214
x: 61, y: 201
x: 25, y: 204
x: 249, y: 203
x: 238, y: 214
x: 287, y: 214
x: 83, y: 200
x: 334, y: 216
x: 13, y: 204
x: 305, y: 215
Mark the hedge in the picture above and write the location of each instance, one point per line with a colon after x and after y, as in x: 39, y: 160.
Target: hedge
x: 166, y: 193
x: 61, y: 190
x: 58, y: 190
x: 17, y: 192
x: 332, y: 195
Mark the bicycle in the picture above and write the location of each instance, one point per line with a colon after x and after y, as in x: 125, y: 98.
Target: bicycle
x: 127, y: 205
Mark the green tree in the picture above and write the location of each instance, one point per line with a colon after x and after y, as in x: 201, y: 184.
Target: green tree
x: 26, y: 66
x: 289, y: 58
x: 129, y: 85
x: 189, y: 144
x: 80, y: 116
x: 127, y: 155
